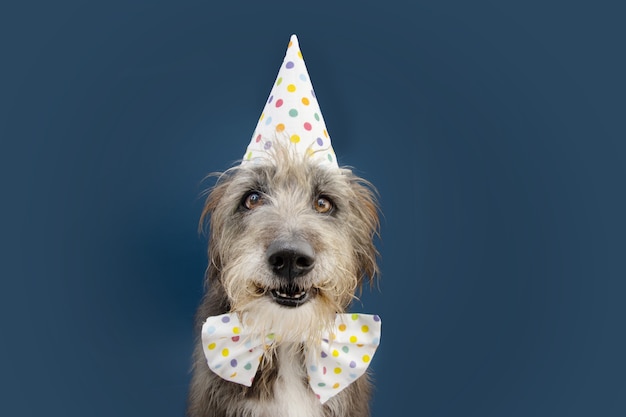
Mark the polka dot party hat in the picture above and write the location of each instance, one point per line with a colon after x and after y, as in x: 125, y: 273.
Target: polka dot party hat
x: 292, y: 115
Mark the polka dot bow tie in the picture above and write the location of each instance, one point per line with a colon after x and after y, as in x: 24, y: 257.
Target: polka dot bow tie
x: 344, y: 355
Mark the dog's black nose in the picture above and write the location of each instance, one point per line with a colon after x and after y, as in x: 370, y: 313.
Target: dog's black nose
x: 290, y: 259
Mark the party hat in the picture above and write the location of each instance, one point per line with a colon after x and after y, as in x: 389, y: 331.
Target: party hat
x: 292, y: 115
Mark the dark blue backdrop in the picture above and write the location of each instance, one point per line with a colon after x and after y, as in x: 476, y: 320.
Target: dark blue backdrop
x: 494, y: 133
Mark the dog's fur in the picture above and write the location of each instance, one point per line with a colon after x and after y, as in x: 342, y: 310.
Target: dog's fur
x: 240, y: 280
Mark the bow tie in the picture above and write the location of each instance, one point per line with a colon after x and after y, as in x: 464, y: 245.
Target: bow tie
x: 344, y: 354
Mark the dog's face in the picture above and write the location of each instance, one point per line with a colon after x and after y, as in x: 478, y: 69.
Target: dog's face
x: 290, y: 242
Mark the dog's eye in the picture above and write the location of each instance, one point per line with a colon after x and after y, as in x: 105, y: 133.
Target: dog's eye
x: 323, y: 205
x: 252, y: 200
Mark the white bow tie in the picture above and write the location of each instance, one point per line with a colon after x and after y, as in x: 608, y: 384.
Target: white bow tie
x: 344, y: 356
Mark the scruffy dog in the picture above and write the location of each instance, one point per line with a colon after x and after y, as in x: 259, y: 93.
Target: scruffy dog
x: 290, y: 243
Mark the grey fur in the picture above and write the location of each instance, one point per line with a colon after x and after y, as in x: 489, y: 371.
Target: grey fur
x: 238, y: 278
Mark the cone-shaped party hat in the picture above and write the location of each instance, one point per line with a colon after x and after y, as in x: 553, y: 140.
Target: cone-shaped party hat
x: 292, y: 115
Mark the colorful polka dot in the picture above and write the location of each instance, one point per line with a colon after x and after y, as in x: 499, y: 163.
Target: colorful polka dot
x: 294, y: 138
x: 335, y: 353
x: 345, y: 349
x: 293, y: 113
x: 366, y: 358
x: 342, y: 327
x: 336, y: 385
x: 225, y: 352
x: 279, y: 80
x: 365, y: 328
x: 268, y: 121
x: 317, y: 117
x: 353, y: 339
x: 279, y: 102
x: 291, y: 88
x: 211, y: 346
x: 307, y: 126
x: 337, y: 370
x: 280, y: 127
x: 289, y: 65
x: 303, y: 77
x: 233, y: 363
x: 305, y: 101
x: 319, y: 141
x: 225, y: 319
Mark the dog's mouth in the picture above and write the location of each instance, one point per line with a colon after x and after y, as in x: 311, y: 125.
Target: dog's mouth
x: 291, y: 297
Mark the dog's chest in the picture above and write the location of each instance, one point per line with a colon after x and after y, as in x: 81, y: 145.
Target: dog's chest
x: 292, y: 397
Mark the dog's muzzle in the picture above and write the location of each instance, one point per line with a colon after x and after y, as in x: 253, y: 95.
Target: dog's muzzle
x: 290, y: 260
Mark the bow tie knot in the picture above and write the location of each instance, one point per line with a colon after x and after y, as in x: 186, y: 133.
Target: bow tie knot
x: 343, y: 355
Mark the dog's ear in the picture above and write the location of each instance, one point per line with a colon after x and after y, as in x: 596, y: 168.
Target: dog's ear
x: 365, y: 206
x: 214, y: 196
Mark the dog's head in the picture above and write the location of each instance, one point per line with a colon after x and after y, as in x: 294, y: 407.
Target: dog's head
x: 290, y: 242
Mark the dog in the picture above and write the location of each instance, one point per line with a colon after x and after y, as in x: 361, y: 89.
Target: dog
x: 291, y: 243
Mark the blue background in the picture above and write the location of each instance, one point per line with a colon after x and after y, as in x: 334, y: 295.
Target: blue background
x: 494, y: 132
